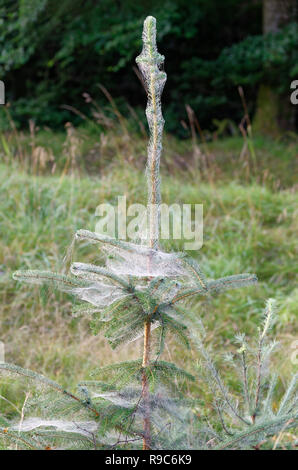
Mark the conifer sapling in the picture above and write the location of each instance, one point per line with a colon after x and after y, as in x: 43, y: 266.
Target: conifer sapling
x: 138, y: 293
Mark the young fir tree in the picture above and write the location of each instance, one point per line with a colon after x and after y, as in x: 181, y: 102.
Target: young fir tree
x: 139, y: 404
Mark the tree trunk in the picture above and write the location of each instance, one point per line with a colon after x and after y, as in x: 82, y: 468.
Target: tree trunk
x: 277, y: 14
x: 150, y: 62
x: 275, y: 113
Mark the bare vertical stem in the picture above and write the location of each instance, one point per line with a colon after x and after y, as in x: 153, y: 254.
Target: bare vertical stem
x: 145, y: 387
x: 149, y: 63
x: 269, y: 312
x: 245, y: 379
x: 259, y: 373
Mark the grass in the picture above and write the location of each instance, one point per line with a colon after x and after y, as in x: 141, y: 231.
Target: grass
x: 250, y: 224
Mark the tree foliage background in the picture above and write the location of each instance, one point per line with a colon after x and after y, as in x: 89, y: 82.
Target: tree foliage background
x: 51, y: 52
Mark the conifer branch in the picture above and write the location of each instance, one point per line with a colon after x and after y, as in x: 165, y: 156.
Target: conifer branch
x: 261, y: 428
x: 44, y: 380
x: 57, y: 280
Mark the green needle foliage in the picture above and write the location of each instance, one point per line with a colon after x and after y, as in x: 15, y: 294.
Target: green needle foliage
x: 141, y: 292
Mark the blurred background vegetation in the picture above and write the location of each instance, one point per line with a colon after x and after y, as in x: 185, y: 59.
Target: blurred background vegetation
x: 53, y: 51
x: 73, y: 134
